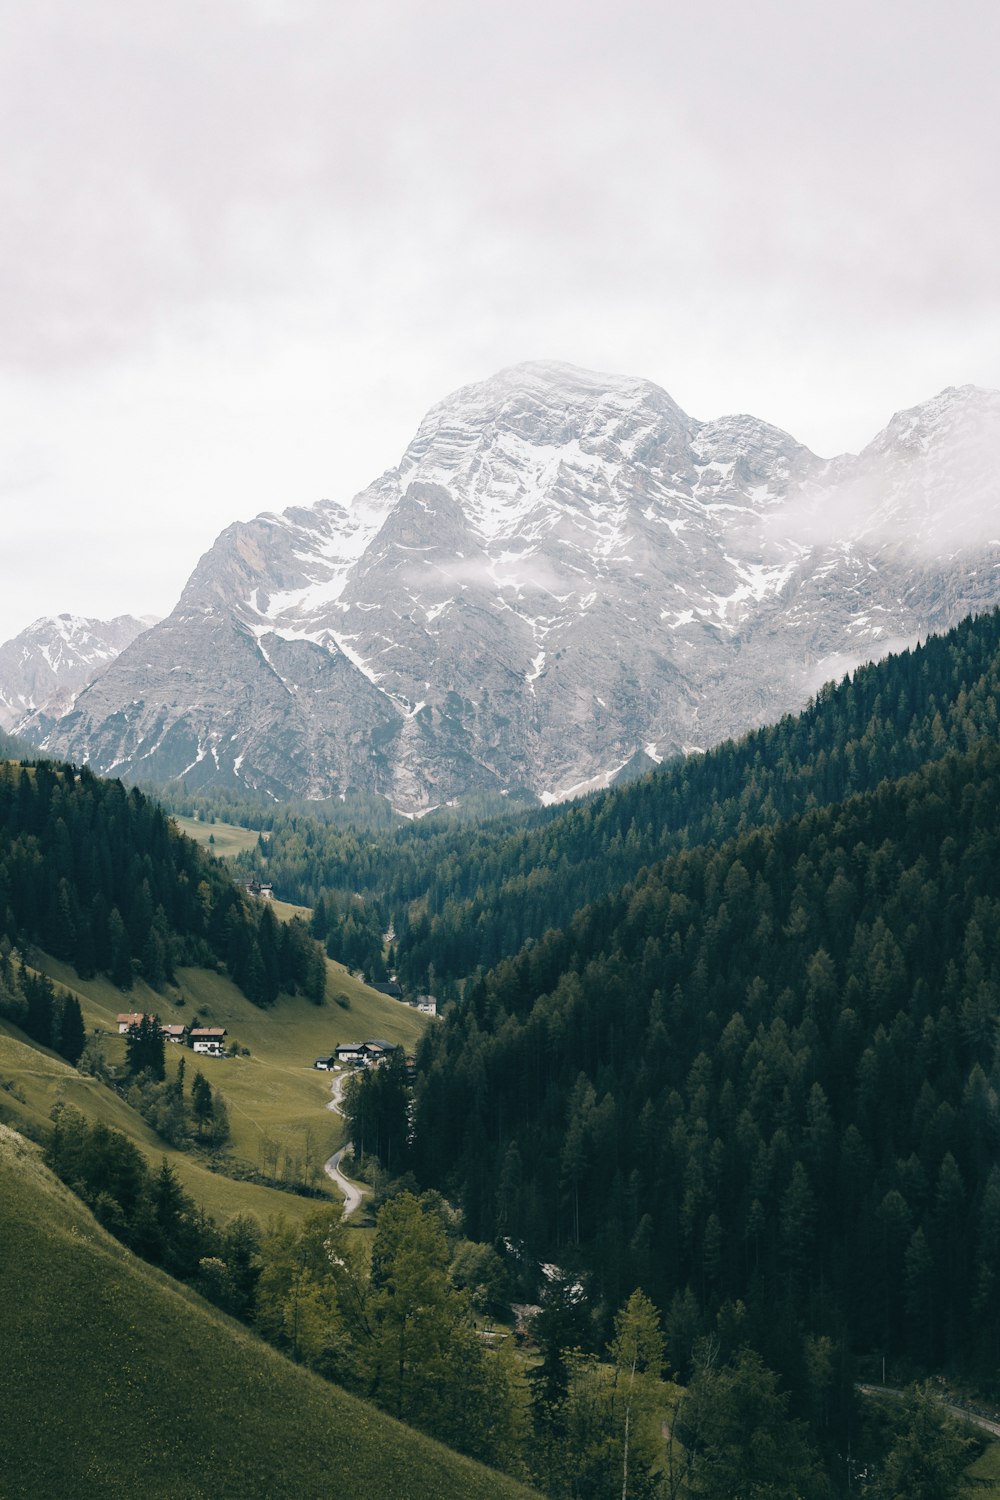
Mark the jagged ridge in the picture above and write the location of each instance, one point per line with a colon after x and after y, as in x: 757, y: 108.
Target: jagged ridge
x: 565, y: 574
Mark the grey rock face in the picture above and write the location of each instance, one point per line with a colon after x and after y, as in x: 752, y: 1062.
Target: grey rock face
x: 44, y: 667
x: 564, y: 574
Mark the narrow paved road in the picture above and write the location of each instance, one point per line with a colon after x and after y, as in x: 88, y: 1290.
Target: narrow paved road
x: 352, y: 1193
x: 987, y: 1424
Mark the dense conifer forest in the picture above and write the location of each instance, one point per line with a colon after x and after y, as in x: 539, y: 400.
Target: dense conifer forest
x: 100, y: 877
x: 729, y: 1034
x: 763, y: 1073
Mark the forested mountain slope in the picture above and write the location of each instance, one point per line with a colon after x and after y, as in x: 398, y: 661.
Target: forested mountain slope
x: 11, y: 748
x: 764, y: 1073
x: 462, y: 898
x: 100, y: 877
x: 887, y: 720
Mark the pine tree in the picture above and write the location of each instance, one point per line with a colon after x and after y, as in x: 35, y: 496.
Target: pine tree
x: 144, y: 1048
x: 202, y: 1104
x: 120, y: 962
x: 72, y: 1034
x: 928, y: 1459
x: 740, y: 1440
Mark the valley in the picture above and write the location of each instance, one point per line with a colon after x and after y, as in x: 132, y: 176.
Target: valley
x: 712, y: 1093
x: 500, y: 752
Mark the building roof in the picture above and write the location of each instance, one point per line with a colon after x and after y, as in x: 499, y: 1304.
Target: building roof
x: 173, y: 1030
x: 133, y: 1018
x: 206, y: 1033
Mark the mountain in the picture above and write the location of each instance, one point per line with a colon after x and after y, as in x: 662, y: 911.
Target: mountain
x: 44, y: 667
x: 566, y: 577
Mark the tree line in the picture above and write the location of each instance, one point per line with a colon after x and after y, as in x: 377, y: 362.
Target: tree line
x: 183, y: 1117
x: 48, y: 1014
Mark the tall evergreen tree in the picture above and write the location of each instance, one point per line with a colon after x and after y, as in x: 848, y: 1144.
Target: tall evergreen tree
x: 72, y: 1034
x: 144, y: 1048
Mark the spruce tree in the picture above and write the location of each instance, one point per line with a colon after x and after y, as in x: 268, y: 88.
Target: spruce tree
x: 72, y: 1035
x: 144, y: 1049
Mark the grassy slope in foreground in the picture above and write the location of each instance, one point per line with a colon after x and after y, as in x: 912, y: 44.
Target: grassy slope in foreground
x: 116, y: 1381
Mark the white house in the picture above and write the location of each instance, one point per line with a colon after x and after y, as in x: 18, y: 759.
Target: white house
x: 207, y: 1040
x: 368, y: 1054
x: 351, y: 1053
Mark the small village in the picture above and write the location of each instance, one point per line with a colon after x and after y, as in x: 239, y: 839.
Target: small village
x: 370, y: 1054
x: 210, y: 1041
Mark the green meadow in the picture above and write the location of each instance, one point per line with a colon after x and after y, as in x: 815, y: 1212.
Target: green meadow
x: 276, y: 1099
x: 223, y: 839
x: 984, y: 1475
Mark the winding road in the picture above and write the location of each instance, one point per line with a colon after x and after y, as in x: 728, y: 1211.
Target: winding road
x: 352, y: 1193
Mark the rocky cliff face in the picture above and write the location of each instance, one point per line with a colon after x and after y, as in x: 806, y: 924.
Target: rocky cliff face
x: 44, y: 667
x: 565, y: 575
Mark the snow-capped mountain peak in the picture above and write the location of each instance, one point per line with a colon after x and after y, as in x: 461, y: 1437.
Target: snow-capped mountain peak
x: 564, y: 575
x: 46, y: 664
x: 927, y: 483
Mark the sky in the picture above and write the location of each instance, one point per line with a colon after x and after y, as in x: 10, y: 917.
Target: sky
x: 246, y: 244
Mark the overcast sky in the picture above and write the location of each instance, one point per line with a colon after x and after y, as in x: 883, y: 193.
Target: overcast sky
x: 246, y: 243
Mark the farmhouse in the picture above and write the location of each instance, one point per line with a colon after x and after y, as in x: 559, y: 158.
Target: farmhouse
x: 260, y: 888
x: 325, y: 1062
x: 365, y: 1054
x: 378, y: 1052
x: 176, y: 1034
x: 207, y: 1039
x: 132, y: 1018
x: 351, y: 1053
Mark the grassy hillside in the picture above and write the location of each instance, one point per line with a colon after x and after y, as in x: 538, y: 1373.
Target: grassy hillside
x: 33, y: 1080
x: 221, y: 839
x: 984, y: 1474
x: 115, y: 1381
x: 275, y: 1097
